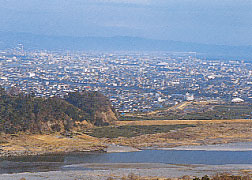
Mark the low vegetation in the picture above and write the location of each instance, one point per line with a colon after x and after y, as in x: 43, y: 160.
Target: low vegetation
x: 132, y: 131
x: 203, y: 132
x: 215, y: 177
x: 195, y: 110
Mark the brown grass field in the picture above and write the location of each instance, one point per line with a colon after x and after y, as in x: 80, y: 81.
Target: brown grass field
x: 204, y: 132
x: 172, y: 122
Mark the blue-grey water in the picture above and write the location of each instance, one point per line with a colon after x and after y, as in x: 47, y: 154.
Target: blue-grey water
x: 166, y: 156
x: 59, y: 162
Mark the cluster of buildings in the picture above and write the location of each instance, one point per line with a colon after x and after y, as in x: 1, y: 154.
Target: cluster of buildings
x: 132, y: 81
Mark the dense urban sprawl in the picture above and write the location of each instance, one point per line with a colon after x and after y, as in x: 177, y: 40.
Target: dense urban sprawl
x: 132, y: 81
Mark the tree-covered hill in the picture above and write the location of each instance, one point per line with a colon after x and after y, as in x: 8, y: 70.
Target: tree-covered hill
x: 28, y: 113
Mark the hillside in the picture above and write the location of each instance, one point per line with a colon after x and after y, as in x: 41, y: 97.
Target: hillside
x: 27, y: 113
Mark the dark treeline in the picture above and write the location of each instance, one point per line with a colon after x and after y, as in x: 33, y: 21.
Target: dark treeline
x: 27, y: 113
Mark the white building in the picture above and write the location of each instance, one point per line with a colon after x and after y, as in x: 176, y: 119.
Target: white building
x: 237, y: 100
x: 189, y: 97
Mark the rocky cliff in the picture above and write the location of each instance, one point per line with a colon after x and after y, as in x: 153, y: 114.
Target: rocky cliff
x: 97, y: 107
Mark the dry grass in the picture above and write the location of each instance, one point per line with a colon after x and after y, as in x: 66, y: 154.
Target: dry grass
x: 132, y: 176
x: 171, y: 122
x: 41, y: 144
x: 205, y: 132
x: 223, y: 176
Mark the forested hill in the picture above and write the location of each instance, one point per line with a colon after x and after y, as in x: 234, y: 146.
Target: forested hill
x: 28, y: 113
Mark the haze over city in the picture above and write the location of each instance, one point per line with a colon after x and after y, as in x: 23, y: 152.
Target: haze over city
x: 226, y: 22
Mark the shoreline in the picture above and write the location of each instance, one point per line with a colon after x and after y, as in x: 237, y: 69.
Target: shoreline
x: 113, y: 148
x: 101, y: 171
x: 109, y: 148
x: 214, y: 133
x: 32, y: 154
x: 233, y: 146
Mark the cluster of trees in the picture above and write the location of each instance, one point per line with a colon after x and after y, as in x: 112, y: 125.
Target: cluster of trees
x: 19, y: 112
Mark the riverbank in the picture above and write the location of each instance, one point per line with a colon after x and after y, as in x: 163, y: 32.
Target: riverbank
x: 202, y: 133
x: 118, y: 170
x: 35, y: 145
x: 25, y: 144
x: 205, y: 132
x: 149, y: 163
x: 85, y: 160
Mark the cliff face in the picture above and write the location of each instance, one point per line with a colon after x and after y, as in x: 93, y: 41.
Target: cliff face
x: 96, y: 105
x: 39, y: 115
x: 104, y: 117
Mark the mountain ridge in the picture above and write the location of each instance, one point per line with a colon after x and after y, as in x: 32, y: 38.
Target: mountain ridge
x: 120, y: 43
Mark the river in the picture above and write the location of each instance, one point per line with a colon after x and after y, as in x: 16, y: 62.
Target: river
x: 234, y: 154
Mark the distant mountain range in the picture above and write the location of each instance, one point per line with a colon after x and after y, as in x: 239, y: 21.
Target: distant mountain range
x: 120, y: 43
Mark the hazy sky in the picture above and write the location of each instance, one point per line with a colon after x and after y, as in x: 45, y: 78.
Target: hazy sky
x: 207, y: 21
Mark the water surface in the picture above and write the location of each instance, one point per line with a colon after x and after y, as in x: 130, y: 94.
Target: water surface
x: 241, y: 155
